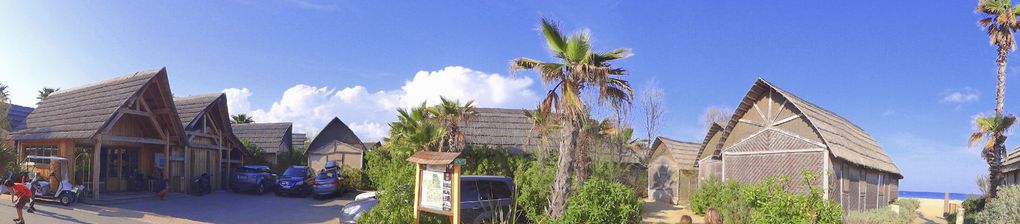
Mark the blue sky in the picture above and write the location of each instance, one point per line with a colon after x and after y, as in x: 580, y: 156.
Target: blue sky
x: 912, y: 73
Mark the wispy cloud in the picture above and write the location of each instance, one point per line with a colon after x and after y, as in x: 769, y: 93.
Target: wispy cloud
x: 306, y: 4
x: 959, y: 96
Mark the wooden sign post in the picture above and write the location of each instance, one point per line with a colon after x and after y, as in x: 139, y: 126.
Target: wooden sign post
x: 437, y: 184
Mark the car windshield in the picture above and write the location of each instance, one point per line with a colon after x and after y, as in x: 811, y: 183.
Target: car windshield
x: 295, y: 172
x: 326, y: 175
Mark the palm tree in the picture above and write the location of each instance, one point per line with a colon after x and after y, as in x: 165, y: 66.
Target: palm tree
x: 992, y: 129
x: 1000, y: 20
x: 451, y: 114
x: 45, y: 92
x: 634, y: 146
x: 241, y: 119
x: 579, y: 70
x: 418, y: 128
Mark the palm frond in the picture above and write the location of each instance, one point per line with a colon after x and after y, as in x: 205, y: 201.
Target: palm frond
x: 553, y: 36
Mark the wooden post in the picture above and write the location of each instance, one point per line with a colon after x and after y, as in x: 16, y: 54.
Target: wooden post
x: 95, y: 165
x: 187, y: 165
x: 166, y: 155
x: 455, y: 204
x: 417, y: 192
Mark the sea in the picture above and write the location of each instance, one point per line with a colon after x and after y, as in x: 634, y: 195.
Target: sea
x: 936, y: 195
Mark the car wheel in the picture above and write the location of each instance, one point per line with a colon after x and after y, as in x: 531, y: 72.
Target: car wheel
x: 65, y: 199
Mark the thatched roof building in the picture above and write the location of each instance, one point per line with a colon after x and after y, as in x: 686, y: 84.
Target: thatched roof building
x: 299, y: 140
x: 272, y: 138
x: 502, y: 128
x: 672, y: 171
x: 775, y: 133
x: 16, y: 116
x: 211, y: 145
x: 336, y: 142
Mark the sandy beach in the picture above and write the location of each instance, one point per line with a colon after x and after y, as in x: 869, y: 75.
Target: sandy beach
x: 931, y: 210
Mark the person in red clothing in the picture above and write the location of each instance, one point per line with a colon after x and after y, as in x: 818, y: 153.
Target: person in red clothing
x: 20, y: 196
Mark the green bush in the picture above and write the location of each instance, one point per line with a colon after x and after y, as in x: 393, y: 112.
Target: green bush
x: 601, y: 201
x: 767, y: 202
x: 1004, y: 208
x: 484, y: 160
x: 394, y: 177
x: 907, y: 214
x: 534, y: 182
x: 356, y: 179
x: 971, y: 207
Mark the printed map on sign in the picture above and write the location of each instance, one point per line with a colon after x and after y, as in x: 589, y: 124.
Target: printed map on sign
x: 432, y: 189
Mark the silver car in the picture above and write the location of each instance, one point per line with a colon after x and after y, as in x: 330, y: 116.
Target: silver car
x: 328, y: 183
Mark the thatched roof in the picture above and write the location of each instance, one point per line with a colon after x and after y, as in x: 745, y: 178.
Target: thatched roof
x: 714, y: 130
x: 80, y: 112
x: 685, y: 154
x: 189, y: 108
x: 335, y: 130
x: 268, y: 136
x: 17, y: 115
x: 371, y: 145
x: 1012, y: 161
x: 844, y: 139
x: 501, y: 128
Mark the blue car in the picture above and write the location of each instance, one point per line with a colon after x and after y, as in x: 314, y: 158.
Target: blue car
x: 296, y: 181
x: 257, y: 179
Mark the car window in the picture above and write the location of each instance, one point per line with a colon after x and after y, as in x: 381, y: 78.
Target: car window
x: 491, y: 190
x: 468, y: 191
x: 326, y: 175
x: 295, y: 172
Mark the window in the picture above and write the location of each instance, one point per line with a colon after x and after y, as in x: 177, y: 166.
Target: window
x: 494, y: 190
x: 41, y: 151
x: 469, y: 191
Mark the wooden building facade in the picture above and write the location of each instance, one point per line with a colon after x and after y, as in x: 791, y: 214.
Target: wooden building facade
x: 272, y: 138
x: 774, y: 133
x: 117, y: 130
x: 336, y: 142
x: 709, y: 162
x: 211, y: 145
x: 672, y: 176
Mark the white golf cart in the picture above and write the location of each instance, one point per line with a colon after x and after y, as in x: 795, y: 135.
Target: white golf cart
x: 66, y: 194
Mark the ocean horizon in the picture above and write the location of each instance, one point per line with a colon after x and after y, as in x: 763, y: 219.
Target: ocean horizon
x: 936, y: 195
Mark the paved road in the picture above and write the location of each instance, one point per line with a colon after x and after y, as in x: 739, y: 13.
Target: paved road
x: 219, y: 207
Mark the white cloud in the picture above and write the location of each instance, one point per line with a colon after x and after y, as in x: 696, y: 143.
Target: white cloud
x: 237, y: 100
x: 367, y: 113
x: 964, y: 95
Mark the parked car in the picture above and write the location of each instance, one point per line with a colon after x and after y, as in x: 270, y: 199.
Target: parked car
x: 257, y: 179
x: 482, y: 198
x: 296, y: 180
x: 328, y: 183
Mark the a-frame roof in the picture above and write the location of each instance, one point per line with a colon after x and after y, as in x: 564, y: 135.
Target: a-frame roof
x: 191, y: 107
x: 844, y: 139
x: 336, y: 130
x: 268, y: 136
x: 712, y: 132
x: 16, y: 116
x: 683, y: 153
x: 81, y: 112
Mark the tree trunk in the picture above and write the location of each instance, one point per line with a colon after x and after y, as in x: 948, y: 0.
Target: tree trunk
x: 995, y: 167
x: 582, y: 165
x: 561, y: 185
x: 1000, y: 91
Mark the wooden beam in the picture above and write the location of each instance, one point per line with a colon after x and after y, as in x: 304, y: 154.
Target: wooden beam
x: 135, y: 112
x: 195, y: 133
x: 774, y: 152
x: 154, y: 141
x: 146, y: 108
x: 98, y: 143
x: 187, y: 167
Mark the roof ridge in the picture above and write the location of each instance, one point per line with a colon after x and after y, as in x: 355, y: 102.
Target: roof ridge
x: 150, y: 72
x: 197, y: 96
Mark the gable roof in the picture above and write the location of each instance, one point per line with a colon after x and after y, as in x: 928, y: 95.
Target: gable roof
x: 501, y: 128
x: 17, y: 115
x: 268, y: 136
x: 371, y: 145
x: 335, y: 130
x: 80, y: 112
x: 844, y: 139
x: 189, y: 108
x: 712, y: 132
x: 683, y: 153
x: 1011, y: 162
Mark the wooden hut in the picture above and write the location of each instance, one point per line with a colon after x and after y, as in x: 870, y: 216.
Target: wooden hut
x: 298, y: 141
x: 119, y: 129
x: 672, y: 176
x: 1011, y: 168
x: 16, y: 116
x: 336, y: 142
x: 272, y: 138
x: 211, y: 145
x: 709, y: 160
x: 775, y: 133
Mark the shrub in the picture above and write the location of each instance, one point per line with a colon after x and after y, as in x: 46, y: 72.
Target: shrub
x: 1005, y: 208
x: 601, y: 201
x: 356, y: 179
x: 767, y: 202
x: 534, y: 182
x: 907, y: 214
x: 394, y: 177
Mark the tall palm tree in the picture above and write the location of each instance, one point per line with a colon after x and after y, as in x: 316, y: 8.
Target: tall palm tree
x: 45, y: 92
x: 417, y: 127
x: 992, y: 129
x: 241, y: 119
x: 451, y: 114
x: 1000, y: 20
x: 578, y: 70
